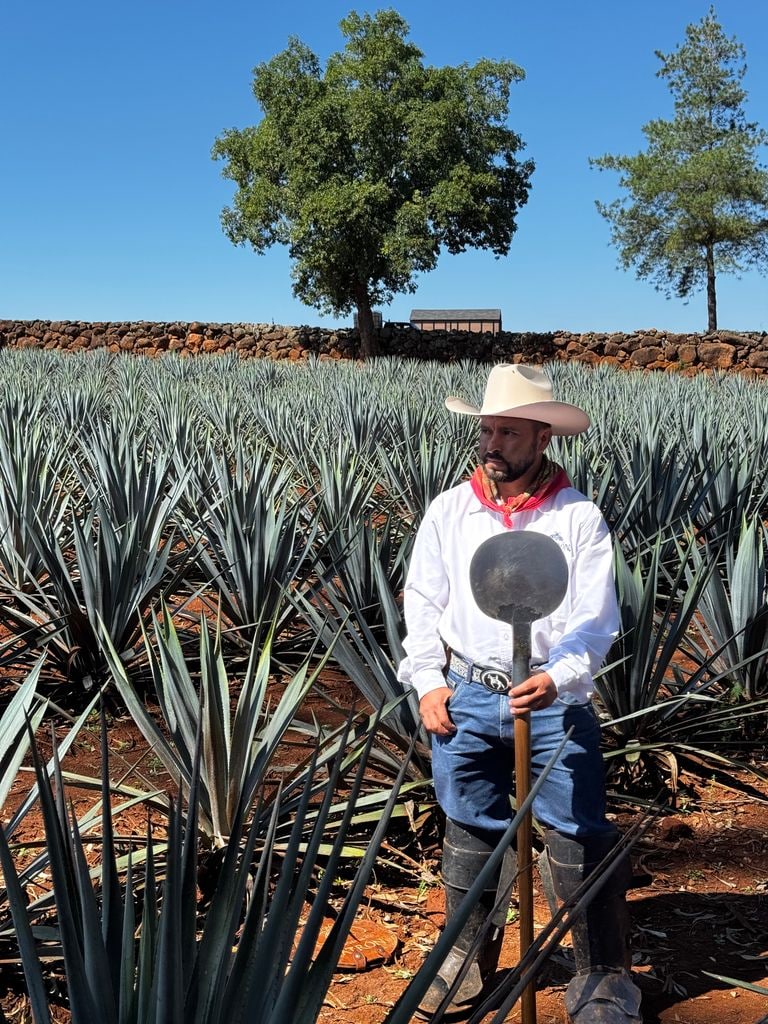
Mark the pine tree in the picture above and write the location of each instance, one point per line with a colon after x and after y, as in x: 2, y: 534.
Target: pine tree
x: 697, y: 197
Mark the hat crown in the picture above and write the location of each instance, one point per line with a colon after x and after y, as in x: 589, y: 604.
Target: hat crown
x: 512, y: 385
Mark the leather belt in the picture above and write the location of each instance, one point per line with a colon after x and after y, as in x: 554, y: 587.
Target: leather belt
x: 494, y: 679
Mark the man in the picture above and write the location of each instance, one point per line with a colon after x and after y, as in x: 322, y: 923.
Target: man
x: 450, y: 644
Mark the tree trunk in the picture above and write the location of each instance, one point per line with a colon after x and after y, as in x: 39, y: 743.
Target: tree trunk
x: 368, y: 340
x: 711, y: 293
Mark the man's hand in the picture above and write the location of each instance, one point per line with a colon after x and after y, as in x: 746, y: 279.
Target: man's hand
x: 537, y: 692
x: 433, y: 708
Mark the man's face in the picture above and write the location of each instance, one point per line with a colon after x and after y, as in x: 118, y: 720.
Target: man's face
x: 510, y: 447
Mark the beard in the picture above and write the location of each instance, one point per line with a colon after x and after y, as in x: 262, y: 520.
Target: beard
x: 512, y: 471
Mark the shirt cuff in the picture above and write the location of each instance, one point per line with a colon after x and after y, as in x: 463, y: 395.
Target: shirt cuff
x: 426, y: 680
x: 560, y: 673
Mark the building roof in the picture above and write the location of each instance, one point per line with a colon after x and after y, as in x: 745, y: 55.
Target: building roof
x: 455, y: 314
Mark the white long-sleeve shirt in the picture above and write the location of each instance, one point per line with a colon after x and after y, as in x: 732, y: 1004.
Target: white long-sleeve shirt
x: 570, y: 644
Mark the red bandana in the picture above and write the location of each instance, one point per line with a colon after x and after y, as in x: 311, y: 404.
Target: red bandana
x: 550, y: 480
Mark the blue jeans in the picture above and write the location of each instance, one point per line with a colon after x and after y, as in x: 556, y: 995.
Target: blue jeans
x: 473, y: 768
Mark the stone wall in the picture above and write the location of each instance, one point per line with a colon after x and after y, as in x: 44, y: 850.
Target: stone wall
x: 652, y: 350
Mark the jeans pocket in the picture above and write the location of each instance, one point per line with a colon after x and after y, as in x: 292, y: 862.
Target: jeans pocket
x: 457, y: 685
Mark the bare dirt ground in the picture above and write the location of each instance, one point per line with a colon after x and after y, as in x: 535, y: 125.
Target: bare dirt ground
x: 704, y: 912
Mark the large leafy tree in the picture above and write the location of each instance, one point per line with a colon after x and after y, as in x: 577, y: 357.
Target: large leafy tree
x: 697, y: 197
x: 368, y: 168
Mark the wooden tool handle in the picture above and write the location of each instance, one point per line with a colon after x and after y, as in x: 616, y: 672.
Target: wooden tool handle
x: 525, y: 856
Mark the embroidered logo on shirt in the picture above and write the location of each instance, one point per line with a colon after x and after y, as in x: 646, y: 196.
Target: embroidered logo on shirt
x: 562, y: 542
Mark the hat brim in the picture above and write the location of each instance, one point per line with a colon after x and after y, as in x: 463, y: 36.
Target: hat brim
x: 564, y: 419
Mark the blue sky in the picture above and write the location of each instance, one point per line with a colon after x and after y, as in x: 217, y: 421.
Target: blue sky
x: 110, y: 202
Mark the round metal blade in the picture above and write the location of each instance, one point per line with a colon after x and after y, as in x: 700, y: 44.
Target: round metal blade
x: 518, y: 576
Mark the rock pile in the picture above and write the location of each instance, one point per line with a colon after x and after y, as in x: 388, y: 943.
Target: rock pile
x: 651, y: 349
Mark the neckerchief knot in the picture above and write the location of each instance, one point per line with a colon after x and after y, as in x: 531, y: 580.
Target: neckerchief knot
x: 550, y: 479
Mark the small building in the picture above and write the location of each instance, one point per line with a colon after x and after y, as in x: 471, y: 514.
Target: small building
x: 477, y: 320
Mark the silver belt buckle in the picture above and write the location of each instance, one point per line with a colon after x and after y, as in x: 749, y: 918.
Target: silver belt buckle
x: 495, y: 680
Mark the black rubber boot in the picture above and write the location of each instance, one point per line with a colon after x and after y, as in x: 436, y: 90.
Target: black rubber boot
x: 602, y: 991
x: 465, y: 853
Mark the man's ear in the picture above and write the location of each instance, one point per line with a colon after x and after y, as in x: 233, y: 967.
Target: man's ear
x: 544, y: 438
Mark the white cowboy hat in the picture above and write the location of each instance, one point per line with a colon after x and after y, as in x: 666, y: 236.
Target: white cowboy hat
x: 524, y: 392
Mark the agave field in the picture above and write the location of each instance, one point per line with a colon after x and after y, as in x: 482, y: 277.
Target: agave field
x: 205, y: 547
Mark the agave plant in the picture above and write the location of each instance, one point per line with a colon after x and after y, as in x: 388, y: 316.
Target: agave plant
x: 240, y: 742
x: 366, y: 576
x: 237, y: 746
x: 342, y: 481
x: 19, y: 723
x: 257, y: 541
x: 733, y: 611
x: 652, y: 710
x: 430, y: 453
x: 20, y: 717
x: 123, y: 557
x: 663, y: 491
x: 369, y: 668
x: 247, y: 956
x: 33, y: 491
x: 358, y: 453
x: 737, y: 478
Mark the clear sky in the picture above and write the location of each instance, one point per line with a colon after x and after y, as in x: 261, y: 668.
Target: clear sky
x: 110, y: 201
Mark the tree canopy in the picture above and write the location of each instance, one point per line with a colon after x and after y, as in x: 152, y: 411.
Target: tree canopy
x: 697, y: 197
x: 367, y: 169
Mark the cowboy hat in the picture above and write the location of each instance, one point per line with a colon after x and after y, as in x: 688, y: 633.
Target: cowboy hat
x: 524, y: 392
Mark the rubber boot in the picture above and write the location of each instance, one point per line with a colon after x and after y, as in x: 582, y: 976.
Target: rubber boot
x: 465, y: 853
x: 602, y: 991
